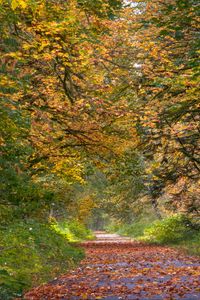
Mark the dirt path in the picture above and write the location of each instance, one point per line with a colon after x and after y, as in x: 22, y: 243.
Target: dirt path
x: 118, y: 268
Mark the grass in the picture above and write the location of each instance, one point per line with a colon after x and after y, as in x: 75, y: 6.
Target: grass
x: 33, y: 253
x: 177, y: 231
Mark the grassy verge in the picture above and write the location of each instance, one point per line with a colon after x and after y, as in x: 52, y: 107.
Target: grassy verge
x: 177, y: 231
x: 73, y: 231
x: 32, y: 253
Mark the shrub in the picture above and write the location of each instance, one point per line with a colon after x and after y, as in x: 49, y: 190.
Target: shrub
x: 133, y: 230
x: 72, y: 230
x: 192, y: 244
x: 114, y: 227
x: 32, y: 253
x: 169, y: 230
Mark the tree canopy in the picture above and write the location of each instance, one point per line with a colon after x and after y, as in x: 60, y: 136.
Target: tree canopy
x: 99, y: 110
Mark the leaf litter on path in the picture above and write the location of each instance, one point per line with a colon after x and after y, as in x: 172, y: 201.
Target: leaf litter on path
x: 117, y: 268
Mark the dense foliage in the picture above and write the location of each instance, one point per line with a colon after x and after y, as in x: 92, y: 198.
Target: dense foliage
x: 177, y: 230
x: 32, y: 253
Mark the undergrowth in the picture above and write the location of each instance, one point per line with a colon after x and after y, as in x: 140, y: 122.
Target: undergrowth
x: 32, y: 253
x: 73, y: 231
x: 177, y: 230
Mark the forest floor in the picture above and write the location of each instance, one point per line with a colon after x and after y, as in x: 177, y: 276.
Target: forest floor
x: 119, y: 268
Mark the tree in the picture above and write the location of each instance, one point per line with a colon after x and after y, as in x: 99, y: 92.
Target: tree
x: 169, y: 114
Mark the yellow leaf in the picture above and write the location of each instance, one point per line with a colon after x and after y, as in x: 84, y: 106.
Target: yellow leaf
x: 17, y: 3
x: 14, y: 4
x: 23, y: 3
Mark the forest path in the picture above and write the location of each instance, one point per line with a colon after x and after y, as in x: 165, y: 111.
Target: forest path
x: 104, y: 237
x: 118, y: 268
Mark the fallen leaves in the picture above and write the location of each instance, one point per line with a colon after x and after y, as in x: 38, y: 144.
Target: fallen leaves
x: 126, y: 270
